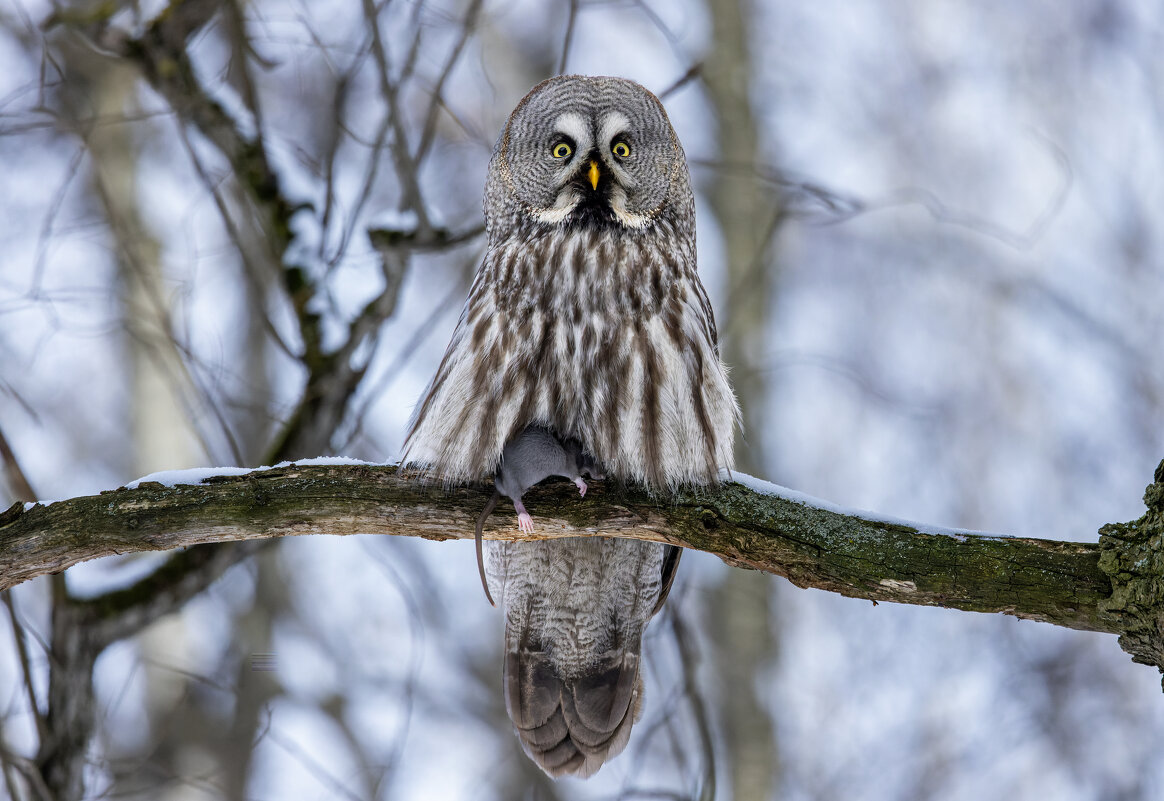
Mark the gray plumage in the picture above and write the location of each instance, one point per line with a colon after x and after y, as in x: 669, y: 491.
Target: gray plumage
x: 586, y: 318
x: 575, y: 610
x: 587, y: 314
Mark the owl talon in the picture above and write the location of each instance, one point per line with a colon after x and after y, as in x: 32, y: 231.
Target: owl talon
x: 525, y: 522
x: 581, y: 486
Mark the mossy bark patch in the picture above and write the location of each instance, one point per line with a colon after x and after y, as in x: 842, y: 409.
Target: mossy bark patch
x: 1113, y: 586
x: 1132, y: 555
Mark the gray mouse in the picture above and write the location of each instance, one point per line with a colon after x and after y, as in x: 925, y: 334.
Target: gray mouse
x: 534, y: 454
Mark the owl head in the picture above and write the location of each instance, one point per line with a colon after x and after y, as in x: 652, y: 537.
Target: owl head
x: 583, y: 151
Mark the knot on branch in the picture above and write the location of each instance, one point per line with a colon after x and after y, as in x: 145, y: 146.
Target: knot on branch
x: 1132, y: 556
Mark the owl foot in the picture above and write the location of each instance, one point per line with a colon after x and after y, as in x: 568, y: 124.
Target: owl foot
x: 525, y: 522
x: 581, y: 486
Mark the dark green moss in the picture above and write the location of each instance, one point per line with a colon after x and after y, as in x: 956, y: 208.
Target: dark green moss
x: 1132, y: 555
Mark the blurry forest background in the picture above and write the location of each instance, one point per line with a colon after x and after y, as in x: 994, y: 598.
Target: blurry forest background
x: 243, y: 233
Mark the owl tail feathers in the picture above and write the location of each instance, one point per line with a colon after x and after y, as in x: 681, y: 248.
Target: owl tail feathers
x: 573, y: 726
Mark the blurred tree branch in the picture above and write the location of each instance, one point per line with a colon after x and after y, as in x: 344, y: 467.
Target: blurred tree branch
x: 332, y: 374
x: 750, y: 215
x: 225, y: 133
x: 1065, y: 583
x: 161, y: 55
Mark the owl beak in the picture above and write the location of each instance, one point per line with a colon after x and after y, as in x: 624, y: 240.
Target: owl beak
x: 593, y: 175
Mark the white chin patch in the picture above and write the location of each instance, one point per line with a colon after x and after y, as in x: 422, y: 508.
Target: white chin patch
x: 558, y: 212
x: 631, y: 219
x: 569, y: 200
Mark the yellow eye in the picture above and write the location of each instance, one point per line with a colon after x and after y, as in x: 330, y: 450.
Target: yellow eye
x: 621, y: 149
x: 561, y: 150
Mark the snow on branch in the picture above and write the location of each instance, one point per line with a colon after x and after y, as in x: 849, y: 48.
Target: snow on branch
x: 752, y: 524
x: 1114, y: 586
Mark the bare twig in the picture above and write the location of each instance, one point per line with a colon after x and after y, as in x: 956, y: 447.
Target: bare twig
x: 406, y: 167
x: 468, y: 26
x: 17, y: 481
x: 27, y: 769
x: 840, y: 207
x: 569, y: 38
x: 251, y: 271
x: 687, y: 77
x: 18, y: 635
x: 406, y: 352
x: 689, y: 656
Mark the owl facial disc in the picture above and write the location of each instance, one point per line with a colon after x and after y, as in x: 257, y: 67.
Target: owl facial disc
x: 605, y: 156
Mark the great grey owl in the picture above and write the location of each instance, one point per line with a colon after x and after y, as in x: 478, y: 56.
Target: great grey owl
x: 586, y: 318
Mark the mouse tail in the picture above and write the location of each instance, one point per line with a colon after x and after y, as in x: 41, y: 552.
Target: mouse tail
x: 489, y: 507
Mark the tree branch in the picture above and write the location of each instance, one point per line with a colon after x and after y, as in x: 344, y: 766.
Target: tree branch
x: 1057, y: 582
x: 1064, y: 583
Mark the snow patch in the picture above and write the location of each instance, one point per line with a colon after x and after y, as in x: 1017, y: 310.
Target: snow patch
x: 198, y: 475
x: 195, y: 475
x: 329, y: 460
x: 767, y: 488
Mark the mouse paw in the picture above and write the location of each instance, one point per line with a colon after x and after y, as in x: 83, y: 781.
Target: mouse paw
x: 581, y: 486
x: 525, y: 522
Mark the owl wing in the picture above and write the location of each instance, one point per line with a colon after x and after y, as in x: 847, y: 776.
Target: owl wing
x: 454, y: 432
x: 646, y: 393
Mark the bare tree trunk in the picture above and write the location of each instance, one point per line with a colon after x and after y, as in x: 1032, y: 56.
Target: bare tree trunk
x: 161, y: 392
x: 740, y: 613
x: 163, y: 436
x: 101, y: 93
